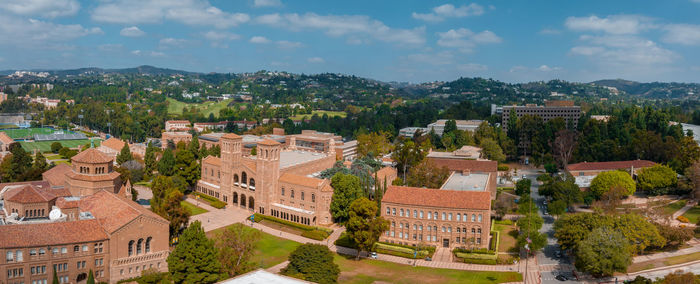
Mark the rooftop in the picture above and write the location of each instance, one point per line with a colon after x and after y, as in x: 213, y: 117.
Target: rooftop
x: 293, y: 158
x: 463, y: 164
x: 466, y: 152
x: 91, y: 156
x: 458, y: 122
x: 466, y: 182
x: 609, y: 166
x: 56, y: 176
x: 480, y: 200
x: 113, y: 143
x: 113, y: 212
x: 46, y: 234
x: 261, y: 276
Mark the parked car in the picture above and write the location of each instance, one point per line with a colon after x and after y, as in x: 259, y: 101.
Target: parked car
x: 373, y: 255
x: 561, y: 277
x: 427, y: 258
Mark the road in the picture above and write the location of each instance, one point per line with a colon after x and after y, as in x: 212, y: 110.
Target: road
x: 549, y: 265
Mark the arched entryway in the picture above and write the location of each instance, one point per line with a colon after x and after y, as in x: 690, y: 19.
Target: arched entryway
x: 251, y: 203
x: 235, y: 198
x: 243, y: 200
x: 81, y: 277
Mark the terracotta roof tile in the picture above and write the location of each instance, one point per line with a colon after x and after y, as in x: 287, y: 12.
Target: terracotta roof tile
x: 91, y: 156
x: 56, y: 176
x: 84, y: 177
x: 5, y: 139
x: 250, y: 164
x: 269, y: 142
x: 609, y: 166
x: 212, y: 160
x: 178, y: 121
x: 114, y: 212
x: 59, y: 233
x: 438, y: 197
x: 231, y: 136
x: 461, y: 165
x: 113, y: 143
x: 63, y: 203
x: 28, y: 194
x: 301, y: 180
x: 386, y: 171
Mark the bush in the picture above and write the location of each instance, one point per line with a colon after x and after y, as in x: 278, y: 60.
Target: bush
x: 55, y: 147
x: 213, y: 201
x: 308, y: 231
x: 503, y: 168
x: 345, y: 241
x: 315, y: 235
x: 497, y: 237
x: 504, y: 222
x: 682, y: 219
x: 474, y: 251
x: 400, y: 250
x: 218, y: 204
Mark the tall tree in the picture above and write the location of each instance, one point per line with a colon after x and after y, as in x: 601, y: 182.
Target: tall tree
x: 346, y: 189
x: 195, y: 259
x: 236, y: 245
x: 40, y: 162
x: 312, y: 262
x: 166, y: 165
x: 563, y: 146
x: 491, y: 150
x: 124, y: 155
x: 426, y: 174
x: 364, y: 226
x: 657, y: 179
x: 603, y: 252
x: 150, y: 161
x: 91, y: 278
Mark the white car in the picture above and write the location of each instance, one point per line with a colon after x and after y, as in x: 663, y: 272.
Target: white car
x: 373, y: 255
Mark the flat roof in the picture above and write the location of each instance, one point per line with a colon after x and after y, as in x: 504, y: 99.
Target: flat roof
x: 261, y: 276
x: 292, y: 158
x: 466, y: 182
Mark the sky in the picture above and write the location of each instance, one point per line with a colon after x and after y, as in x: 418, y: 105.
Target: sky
x: 407, y: 41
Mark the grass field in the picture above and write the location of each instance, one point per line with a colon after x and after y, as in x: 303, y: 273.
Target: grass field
x: 3, y: 126
x: 507, y: 234
x: 270, y: 250
x: 320, y: 114
x: 673, y: 260
x: 693, y: 214
x: 193, y: 209
x: 671, y: 208
x: 375, y: 271
x: 175, y: 107
x: 21, y: 133
x: 45, y: 146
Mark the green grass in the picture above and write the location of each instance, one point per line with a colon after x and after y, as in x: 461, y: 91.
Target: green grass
x: 508, y: 242
x: 45, y: 146
x: 270, y: 250
x: 193, y: 209
x: 62, y: 162
x: 375, y: 271
x: 693, y: 214
x: 22, y: 133
x: 671, y: 208
x: 144, y: 183
x: 175, y: 106
x: 668, y: 261
x: 5, y: 126
x: 320, y: 114
x: 53, y: 157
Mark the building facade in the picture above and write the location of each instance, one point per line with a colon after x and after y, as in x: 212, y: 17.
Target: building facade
x: 551, y: 110
x: 177, y: 125
x: 174, y: 137
x: 436, y: 217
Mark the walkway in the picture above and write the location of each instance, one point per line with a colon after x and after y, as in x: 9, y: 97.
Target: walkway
x: 695, y: 247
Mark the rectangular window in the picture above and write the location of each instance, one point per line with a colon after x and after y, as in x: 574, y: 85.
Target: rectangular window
x: 415, y: 214
x: 449, y: 217
x: 10, y: 257
x: 388, y: 211
x: 19, y: 256
x: 443, y: 216
x: 32, y: 252
x: 64, y: 250
x: 421, y: 214
x: 479, y: 217
x: 393, y: 211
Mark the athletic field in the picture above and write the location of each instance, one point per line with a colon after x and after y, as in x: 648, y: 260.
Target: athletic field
x: 27, y: 133
x: 45, y: 146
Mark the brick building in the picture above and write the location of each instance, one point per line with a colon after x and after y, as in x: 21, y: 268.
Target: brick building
x: 437, y: 217
x: 585, y: 172
x: 175, y: 137
x: 177, y: 125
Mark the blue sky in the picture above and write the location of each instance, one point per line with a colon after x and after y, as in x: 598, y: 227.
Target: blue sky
x: 416, y: 41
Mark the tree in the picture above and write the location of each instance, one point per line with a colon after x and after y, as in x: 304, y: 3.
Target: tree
x: 657, y: 179
x: 166, y: 203
x: 40, y: 162
x: 426, y: 174
x: 124, y: 155
x: 150, y: 161
x: 254, y: 151
x: 522, y: 187
x: 450, y: 126
x: 312, y: 262
x: 675, y: 236
x: 491, y: 150
x: 563, y: 146
x: 55, y: 146
x: 536, y: 243
x: 21, y: 161
x: 236, y: 245
x: 530, y: 223
x: 193, y: 146
x: 55, y: 278
x: 679, y: 277
x: 374, y: 144
x: 603, y: 252
x: 6, y: 172
x: 557, y: 207
x: 364, y: 226
x: 604, y: 181
x: 407, y: 154
x: 91, y: 278
x: 639, y: 232
x: 166, y: 165
x: 346, y: 188
x: 195, y: 259
x: 571, y: 229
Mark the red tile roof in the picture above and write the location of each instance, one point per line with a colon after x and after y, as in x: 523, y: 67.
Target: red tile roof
x: 301, y: 180
x: 28, y: 194
x: 114, y: 212
x: 63, y: 203
x: 480, y: 200
x: 113, y: 143
x: 51, y: 234
x: 269, y: 142
x: 212, y: 160
x: 463, y: 164
x: 609, y: 166
x: 231, y: 136
x: 5, y: 139
x: 56, y: 176
x: 91, y: 156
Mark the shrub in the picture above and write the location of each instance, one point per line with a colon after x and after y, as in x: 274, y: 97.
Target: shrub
x: 400, y: 250
x: 315, y: 235
x: 213, y: 201
x: 503, y: 168
x: 345, y: 241
x: 218, y: 204
x: 316, y: 232
x: 474, y: 251
x: 682, y: 219
x: 56, y: 146
x: 504, y: 222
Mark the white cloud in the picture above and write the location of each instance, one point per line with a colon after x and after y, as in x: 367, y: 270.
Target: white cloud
x: 354, y: 26
x: 614, y: 24
x: 157, y: 54
x: 623, y: 50
x: 545, y: 68
x: 220, y: 36
x: 44, y: 8
x: 315, y: 60
x: 465, y: 39
x: 682, y: 34
x: 259, y: 40
x: 136, y: 52
x: 36, y: 33
x: 284, y: 44
x: 132, y: 31
x: 172, y: 42
x: 189, y: 12
x: 440, y: 13
x: 267, y: 3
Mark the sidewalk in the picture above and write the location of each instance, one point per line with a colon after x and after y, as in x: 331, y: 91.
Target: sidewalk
x: 695, y: 248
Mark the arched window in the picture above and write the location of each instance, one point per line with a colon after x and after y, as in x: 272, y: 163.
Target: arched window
x: 401, y: 212
x: 131, y: 247
x: 138, y: 246
x: 148, y: 245
x: 415, y: 213
x: 283, y: 191
x: 243, y: 200
x: 251, y: 202
x: 459, y: 217
x: 235, y: 179
x: 479, y: 217
x: 252, y: 184
x: 244, y: 178
x: 313, y: 197
x: 302, y: 195
x: 292, y: 193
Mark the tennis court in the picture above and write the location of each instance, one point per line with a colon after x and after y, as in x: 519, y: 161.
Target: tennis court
x: 45, y: 146
x: 27, y: 133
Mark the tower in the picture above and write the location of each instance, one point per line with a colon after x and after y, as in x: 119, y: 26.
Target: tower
x: 230, y: 160
x: 268, y: 171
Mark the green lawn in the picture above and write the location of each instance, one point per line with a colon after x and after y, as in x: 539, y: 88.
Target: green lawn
x: 175, y: 106
x: 22, y: 133
x: 270, y: 249
x: 62, y: 162
x: 668, y: 261
x: 4, y: 126
x: 320, y: 114
x: 508, y: 243
x: 693, y: 214
x: 45, y: 146
x: 53, y: 157
x: 193, y: 209
x: 671, y: 208
x: 376, y: 271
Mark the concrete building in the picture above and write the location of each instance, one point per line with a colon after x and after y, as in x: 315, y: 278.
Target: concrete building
x: 464, y: 125
x: 467, y: 169
x: 274, y: 182
x: 409, y: 132
x: 551, y: 110
x: 437, y: 217
x: 465, y: 153
x: 177, y: 125
x: 585, y: 172
x: 45, y: 227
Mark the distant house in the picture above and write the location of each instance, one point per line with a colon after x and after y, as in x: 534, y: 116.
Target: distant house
x: 111, y: 147
x: 177, y: 125
x: 585, y: 172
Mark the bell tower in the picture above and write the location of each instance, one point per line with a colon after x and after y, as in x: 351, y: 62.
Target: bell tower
x: 230, y: 159
x: 268, y: 171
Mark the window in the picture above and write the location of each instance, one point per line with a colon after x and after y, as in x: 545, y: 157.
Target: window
x: 458, y: 230
x: 429, y: 228
x: 76, y: 248
x: 393, y: 224
x: 42, y: 251
x: 435, y: 215
x: 429, y: 215
x: 443, y: 229
x: 393, y: 211
x: 10, y: 257
x: 302, y: 195
x: 415, y: 227
x: 400, y: 225
x: 64, y: 250
x: 478, y: 230
x: 473, y: 231
x: 415, y: 214
x: 473, y: 217
x: 420, y: 227
x: 85, y: 247
x: 138, y: 246
x: 292, y: 194
x: 449, y: 217
x: 479, y: 217
x: 401, y: 214
x: 283, y: 191
x: 54, y: 251
x: 449, y: 229
x: 313, y: 197
x: 131, y: 247
x: 32, y: 252
x: 459, y: 217
x: 148, y: 244
x: 388, y: 211
x: 443, y: 216
x: 421, y: 214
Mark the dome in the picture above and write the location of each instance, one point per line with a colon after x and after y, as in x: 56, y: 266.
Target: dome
x: 91, y: 156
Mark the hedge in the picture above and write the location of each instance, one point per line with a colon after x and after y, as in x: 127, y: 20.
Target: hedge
x: 316, y: 233
x: 504, y: 222
x: 496, y: 236
x: 213, y: 201
x: 476, y: 256
x: 474, y: 251
x: 503, y: 168
x: 480, y: 261
x: 345, y: 241
x: 401, y: 250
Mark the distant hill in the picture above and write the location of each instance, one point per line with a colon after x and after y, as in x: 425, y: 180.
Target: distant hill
x: 143, y: 69
x: 653, y: 89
